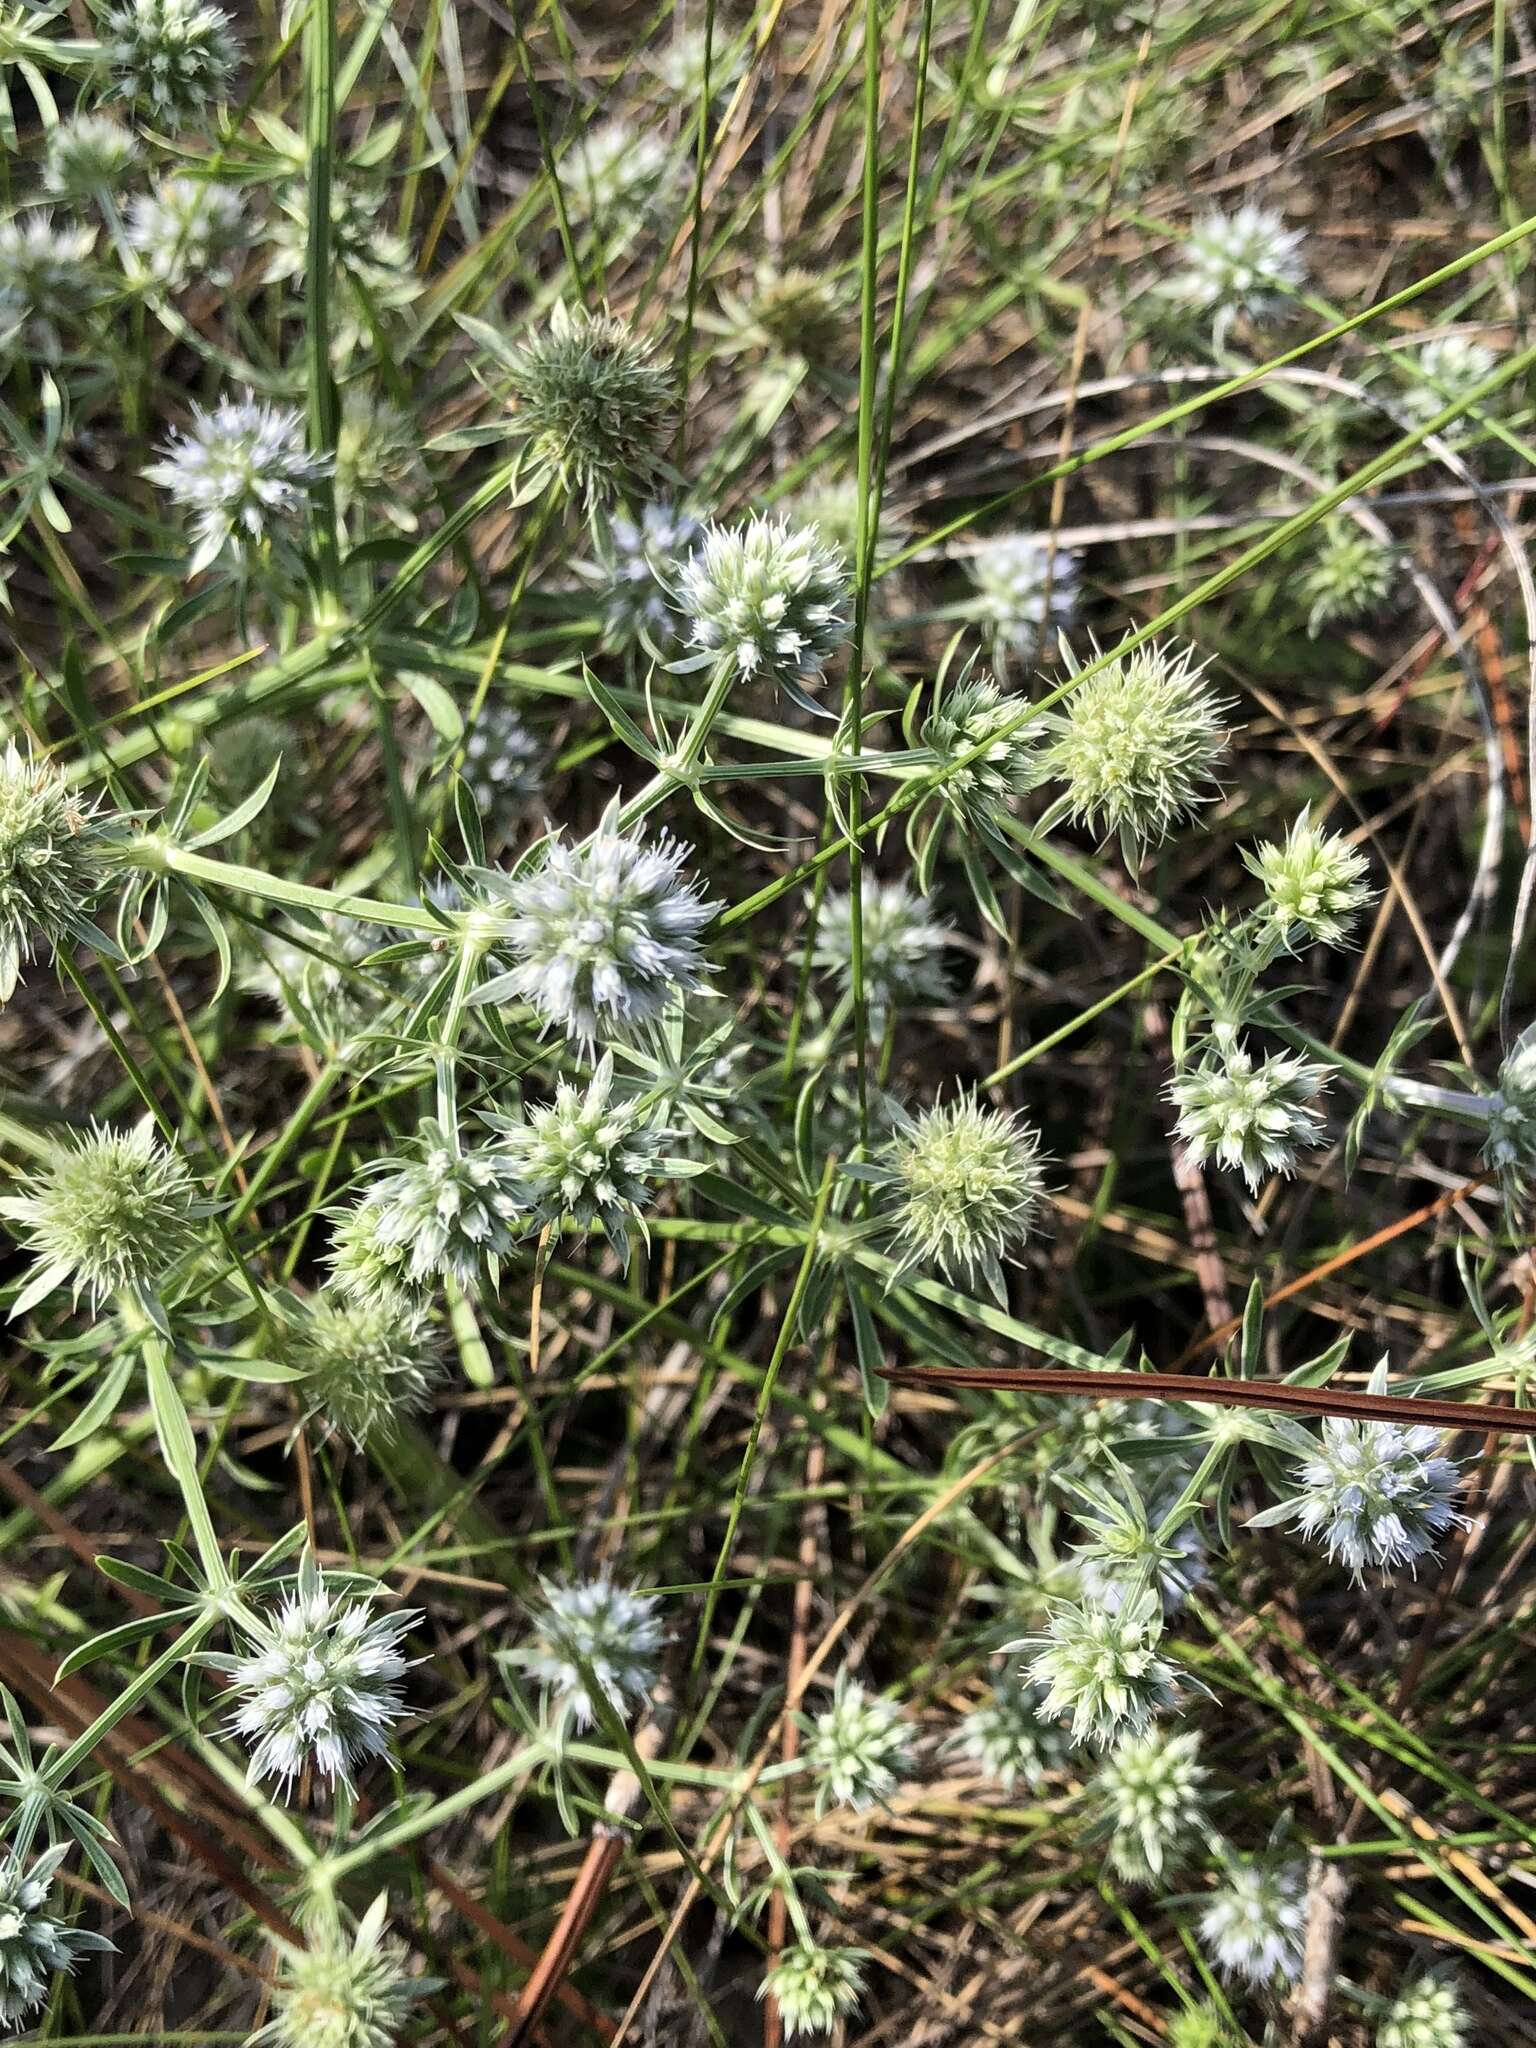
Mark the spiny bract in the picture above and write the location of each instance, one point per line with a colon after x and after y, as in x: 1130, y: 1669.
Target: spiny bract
x: 1314, y: 884
x: 814, y: 1987
x: 586, y: 1154
x: 592, y: 405
x: 856, y: 1748
x: 966, y: 1185
x: 453, y: 1211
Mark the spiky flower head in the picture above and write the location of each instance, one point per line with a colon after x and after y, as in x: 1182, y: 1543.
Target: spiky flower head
x: 373, y: 267
x: 317, y: 1686
x: 378, y: 459
x: 1008, y: 1739
x: 1150, y: 1790
x: 967, y: 1186
x: 615, y: 168
x: 1446, y: 369
x: 1314, y: 884
x: 1376, y: 1494
x: 831, y: 505
x: 792, y: 312
x: 55, y: 851
x: 980, y: 786
x: 501, y: 766
x: 768, y: 599
x: 641, y: 560
x: 48, y: 281
x: 903, y: 945
x: 188, y: 231
x: 856, y: 1748
x: 1136, y: 745
x: 680, y: 66
x: 242, y: 471
x: 171, y: 59
x: 1200, y: 2026
x: 1240, y: 265
x: 454, y: 1210
x: 592, y: 405
x: 367, y: 1364
x: 1255, y: 1924
x: 1428, y: 2013
x: 1247, y: 1114
x: 593, y: 1634
x: 87, y: 154
x: 111, y: 1212
x: 32, y: 1945
x: 605, y: 934
x: 586, y: 1155
x: 1350, y: 574
x: 1103, y: 1666
x: 1126, y: 1548
x: 1023, y: 583
x: 1510, y: 1147
x: 332, y: 1992
x: 813, y: 1987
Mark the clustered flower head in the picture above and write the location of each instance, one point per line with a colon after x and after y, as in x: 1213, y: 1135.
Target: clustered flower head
x: 1350, y: 573
x: 592, y: 404
x: 614, y: 167
x: 1447, y: 369
x: 792, y: 312
x: 242, y: 471
x: 1255, y: 1924
x: 318, y: 1687
x: 366, y: 1364
x: 372, y: 265
x: 594, y: 1633
x: 48, y: 281
x: 1136, y: 745
x: 1428, y: 2013
x: 1150, y: 1789
x: 170, y: 58
x: 1314, y: 884
x: 604, y: 934
x: 86, y: 154
x: 377, y: 456
x: 501, y: 764
x: 188, y: 230
x: 814, y: 1987
x: 638, y: 571
x: 331, y: 1992
x: 1008, y: 1739
x: 769, y: 599
x: 1200, y: 2026
x: 903, y: 945
x: 33, y: 1946
x: 54, y: 853
x: 1103, y: 1666
x: 1510, y: 1147
x: 586, y: 1154
x: 1023, y: 583
x: 454, y: 1210
x: 856, y: 1748
x: 980, y: 727
x: 1244, y: 264
x: 1251, y: 1115
x: 111, y: 1213
x: 1376, y: 1494
x: 831, y: 505
x: 967, y: 1187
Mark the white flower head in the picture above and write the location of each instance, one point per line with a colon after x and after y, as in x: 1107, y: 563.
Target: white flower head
x: 188, y: 231
x: 242, y: 471
x: 593, y: 1634
x: 903, y: 945
x: 1255, y: 1924
x: 856, y: 1748
x: 55, y: 851
x: 334, y: 1992
x: 1428, y: 2013
x: 605, y: 934
x: 501, y: 766
x: 367, y: 1364
x: 318, y: 1686
x: 814, y: 1987
x: 48, y: 280
x: 171, y: 59
x: 1251, y: 1115
x: 454, y: 1210
x: 1008, y: 1738
x: 1241, y: 265
x: 1150, y: 1792
x: 1314, y: 884
x: 639, y: 566
x: 87, y: 154
x: 615, y: 168
x: 1023, y: 584
x: 966, y: 1187
x: 1104, y: 1666
x: 1446, y: 369
x: 33, y: 1945
x: 586, y: 1154
x: 769, y: 599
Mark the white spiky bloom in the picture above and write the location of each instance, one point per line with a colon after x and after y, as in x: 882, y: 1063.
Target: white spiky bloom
x: 612, y: 167
x: 317, y: 1687
x: 1103, y: 1666
x: 856, y: 1748
x: 242, y: 471
x: 170, y: 58
x: 454, y: 1210
x: 1314, y: 884
x: 1429, y: 2013
x: 33, y: 1945
x: 87, y: 154
x: 501, y: 766
x: 1008, y: 1739
x: 378, y: 457
x: 1510, y: 1147
x: 1447, y: 368
x: 1244, y: 264
x: 1125, y: 1550
x: 636, y: 575
x: 586, y: 1155
x: 55, y: 854
x: 985, y: 749
x: 605, y: 934
x: 332, y: 1992
x: 188, y: 231
x: 1022, y: 585
x: 768, y: 599
x: 813, y: 1987
x: 593, y: 1633
x: 1350, y: 574
x: 48, y: 280
x: 1247, y: 1114
x: 373, y: 266
x: 1150, y: 1790
x: 966, y: 1186
x: 367, y: 1365
x: 1255, y: 1924
x: 1375, y: 1494
x: 680, y: 66
x: 903, y: 945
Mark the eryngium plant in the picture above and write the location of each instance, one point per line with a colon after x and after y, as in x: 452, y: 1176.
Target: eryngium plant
x: 856, y: 1748
x: 171, y: 59
x: 87, y: 154
x: 1428, y: 2013
x: 1255, y: 1923
x: 55, y: 852
x: 814, y: 1987
x: 1247, y: 1114
x: 1314, y: 884
x: 639, y: 564
x: 592, y: 405
x: 366, y: 1365
x: 1023, y: 583
x: 1350, y: 574
x: 1246, y: 264
x: 48, y: 280
x: 454, y: 1211
x: 242, y: 471
x: 112, y: 1212
x: 331, y: 1992
x: 984, y: 747
x: 1008, y: 1739
x: 1103, y: 1666
x: 586, y: 1155
x: 965, y: 1186
x: 187, y: 231
x: 593, y: 1637
x: 1150, y: 1792
x: 766, y: 599
x: 903, y: 945
x: 34, y: 1946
